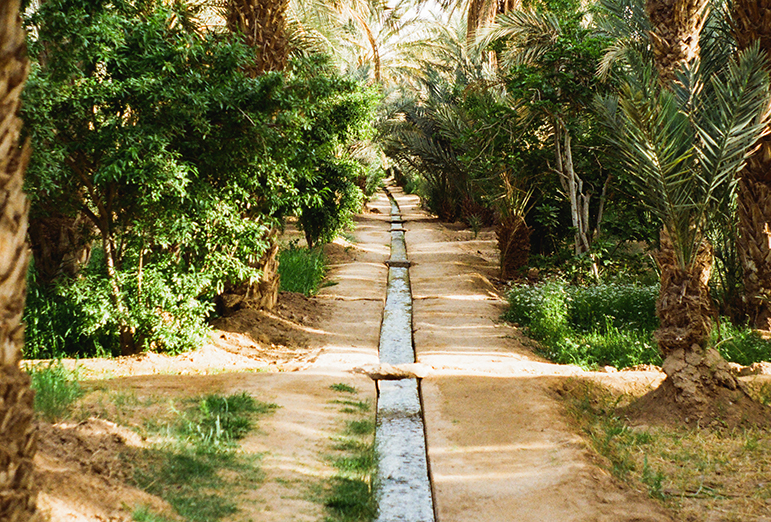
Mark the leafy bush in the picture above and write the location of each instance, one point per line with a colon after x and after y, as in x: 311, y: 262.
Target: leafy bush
x: 55, y: 326
x: 128, y: 115
x: 628, y: 306
x: 301, y: 269
x: 56, y: 389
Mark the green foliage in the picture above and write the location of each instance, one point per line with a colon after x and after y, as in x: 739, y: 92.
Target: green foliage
x: 56, y: 389
x: 683, y: 145
x: 611, y: 324
x: 55, y: 326
x: 589, y: 326
x: 301, y: 269
x: 149, y: 130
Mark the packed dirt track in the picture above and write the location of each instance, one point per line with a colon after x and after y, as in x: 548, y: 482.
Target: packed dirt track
x: 500, y: 448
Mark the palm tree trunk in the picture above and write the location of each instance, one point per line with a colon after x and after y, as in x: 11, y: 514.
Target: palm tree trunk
x: 262, y: 24
x: 685, y: 307
x: 675, y: 35
x: 17, y: 438
x: 754, y: 245
x: 751, y: 21
x: 480, y: 13
x: 513, y: 236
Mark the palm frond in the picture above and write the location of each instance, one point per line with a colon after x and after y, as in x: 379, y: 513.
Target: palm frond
x: 655, y: 142
x: 530, y: 34
x: 734, y: 120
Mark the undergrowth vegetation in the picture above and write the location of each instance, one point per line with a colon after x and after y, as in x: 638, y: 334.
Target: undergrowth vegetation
x: 301, y: 269
x: 600, y: 325
x: 56, y: 389
x: 350, y: 496
x: 610, y: 324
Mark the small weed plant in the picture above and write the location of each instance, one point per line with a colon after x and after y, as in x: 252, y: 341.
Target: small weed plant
x: 301, y: 269
x: 56, y: 389
x: 608, y: 324
x: 350, y: 497
x: 196, y: 466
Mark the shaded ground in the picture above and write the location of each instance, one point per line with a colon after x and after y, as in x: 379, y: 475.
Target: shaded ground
x: 500, y: 448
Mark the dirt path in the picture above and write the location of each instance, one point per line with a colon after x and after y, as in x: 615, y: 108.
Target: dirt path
x: 499, y: 448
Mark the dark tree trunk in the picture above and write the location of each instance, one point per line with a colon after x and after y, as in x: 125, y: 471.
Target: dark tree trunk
x: 18, y: 492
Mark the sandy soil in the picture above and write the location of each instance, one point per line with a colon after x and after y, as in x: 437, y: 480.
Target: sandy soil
x: 499, y: 447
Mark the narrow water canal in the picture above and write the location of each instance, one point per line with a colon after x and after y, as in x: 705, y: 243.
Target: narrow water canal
x: 404, y: 488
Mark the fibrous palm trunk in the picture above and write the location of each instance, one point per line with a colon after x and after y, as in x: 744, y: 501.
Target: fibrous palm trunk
x: 17, y: 438
x: 684, y: 308
x: 752, y: 23
x: 262, y: 23
x: 482, y: 13
x: 263, y: 26
x: 514, y: 243
x: 675, y: 36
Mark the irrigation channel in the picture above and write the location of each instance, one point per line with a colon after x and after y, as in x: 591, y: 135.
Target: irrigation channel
x: 404, y: 492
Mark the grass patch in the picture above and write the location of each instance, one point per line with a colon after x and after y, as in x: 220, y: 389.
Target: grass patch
x: 343, y: 388
x: 195, y: 465
x: 145, y: 514
x: 301, y: 269
x: 693, y: 472
x: 741, y: 345
x: 350, y: 496
x: 609, y: 324
x: 56, y: 389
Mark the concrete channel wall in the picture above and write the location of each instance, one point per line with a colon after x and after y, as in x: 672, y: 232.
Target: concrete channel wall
x: 403, y: 485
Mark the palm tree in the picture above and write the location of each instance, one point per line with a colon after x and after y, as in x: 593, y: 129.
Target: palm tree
x: 263, y: 26
x: 684, y: 145
x: 17, y: 438
x: 696, y: 120
x: 372, y: 39
x: 751, y: 26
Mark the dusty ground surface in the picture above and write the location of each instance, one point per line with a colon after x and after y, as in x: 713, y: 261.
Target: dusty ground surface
x: 500, y: 448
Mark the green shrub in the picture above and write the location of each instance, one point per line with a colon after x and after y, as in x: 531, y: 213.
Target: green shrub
x: 56, y: 389
x: 55, y: 326
x: 301, y: 269
x: 609, y: 347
